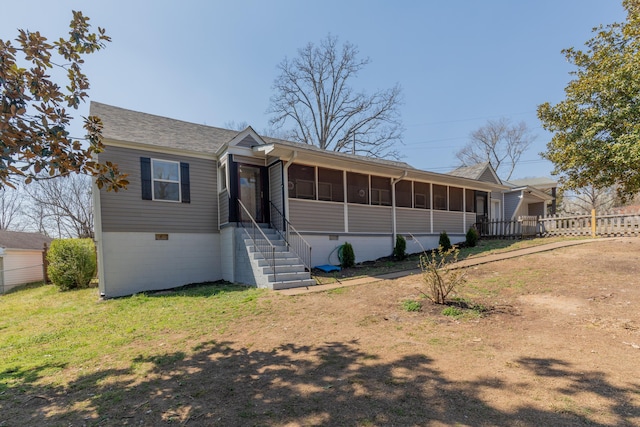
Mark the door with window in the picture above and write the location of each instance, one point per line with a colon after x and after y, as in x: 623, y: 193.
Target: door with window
x: 251, y: 192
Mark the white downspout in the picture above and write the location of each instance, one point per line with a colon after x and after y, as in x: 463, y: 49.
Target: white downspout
x: 394, y: 181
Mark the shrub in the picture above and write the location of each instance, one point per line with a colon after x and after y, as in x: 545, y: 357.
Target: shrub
x: 348, y: 257
x: 472, y: 237
x: 72, y: 263
x: 411, y: 305
x: 452, y: 311
x: 400, y: 250
x: 438, y: 275
x: 445, y: 242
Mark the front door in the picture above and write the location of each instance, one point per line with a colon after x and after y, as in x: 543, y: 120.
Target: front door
x: 251, y: 191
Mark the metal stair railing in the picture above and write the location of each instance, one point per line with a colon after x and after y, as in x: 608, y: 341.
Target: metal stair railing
x: 266, y: 249
x: 295, y: 242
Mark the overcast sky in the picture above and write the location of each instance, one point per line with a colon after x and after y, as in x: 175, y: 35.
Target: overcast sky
x: 459, y: 62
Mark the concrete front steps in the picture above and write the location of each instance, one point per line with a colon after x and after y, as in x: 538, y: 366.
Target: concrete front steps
x: 289, y: 270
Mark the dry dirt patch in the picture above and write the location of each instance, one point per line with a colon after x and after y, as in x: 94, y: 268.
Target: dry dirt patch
x: 558, y: 346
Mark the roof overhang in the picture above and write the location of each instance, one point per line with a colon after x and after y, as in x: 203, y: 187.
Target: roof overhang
x: 360, y: 164
x: 532, y: 192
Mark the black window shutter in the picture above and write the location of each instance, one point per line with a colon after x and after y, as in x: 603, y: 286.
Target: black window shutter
x: 184, y: 182
x: 145, y: 177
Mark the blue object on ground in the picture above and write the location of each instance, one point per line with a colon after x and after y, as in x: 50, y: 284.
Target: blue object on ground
x: 327, y: 268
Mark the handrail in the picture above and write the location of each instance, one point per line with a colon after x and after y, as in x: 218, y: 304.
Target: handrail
x: 295, y: 242
x: 267, y: 250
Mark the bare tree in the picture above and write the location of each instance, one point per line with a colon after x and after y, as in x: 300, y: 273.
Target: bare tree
x: 10, y: 209
x: 313, y: 95
x: 583, y: 200
x: 62, y: 207
x: 498, y: 142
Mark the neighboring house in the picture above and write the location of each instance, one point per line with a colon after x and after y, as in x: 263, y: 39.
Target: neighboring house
x: 517, y: 198
x: 21, y: 258
x: 192, y: 188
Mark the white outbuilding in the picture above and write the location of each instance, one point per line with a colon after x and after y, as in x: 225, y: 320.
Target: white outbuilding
x: 21, y: 258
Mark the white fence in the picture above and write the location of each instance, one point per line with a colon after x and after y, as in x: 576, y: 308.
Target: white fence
x: 606, y: 225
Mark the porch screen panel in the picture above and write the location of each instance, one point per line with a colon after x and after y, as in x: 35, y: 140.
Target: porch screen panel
x: 421, y: 196
x: 380, y: 191
x: 470, y: 201
x: 455, y: 199
x: 403, y: 194
x: 440, y: 197
x: 357, y: 188
x: 302, y: 182
x: 330, y: 185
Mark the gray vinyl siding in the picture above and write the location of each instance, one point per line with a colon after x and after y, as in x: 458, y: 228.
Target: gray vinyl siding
x: 308, y: 215
x: 470, y: 220
x: 223, y: 203
x: 413, y: 220
x: 511, y: 201
x: 487, y: 176
x: 369, y: 219
x: 275, y: 186
x: 126, y: 211
x: 247, y: 142
x: 451, y: 222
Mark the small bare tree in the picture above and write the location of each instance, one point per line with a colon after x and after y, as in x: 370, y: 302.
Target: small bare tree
x: 438, y: 275
x: 498, y: 142
x: 313, y: 95
x: 583, y: 200
x: 10, y: 209
x: 62, y: 206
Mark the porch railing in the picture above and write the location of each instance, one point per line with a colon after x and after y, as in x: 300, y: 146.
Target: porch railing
x: 295, y: 242
x: 524, y: 226
x: 258, y: 238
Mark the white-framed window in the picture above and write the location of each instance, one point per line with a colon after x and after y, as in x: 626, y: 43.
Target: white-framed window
x: 165, y: 175
x: 223, y: 177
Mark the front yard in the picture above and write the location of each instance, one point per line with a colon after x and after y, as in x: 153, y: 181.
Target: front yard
x: 558, y: 344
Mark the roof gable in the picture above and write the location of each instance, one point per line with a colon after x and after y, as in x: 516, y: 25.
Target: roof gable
x: 247, y: 138
x: 480, y: 171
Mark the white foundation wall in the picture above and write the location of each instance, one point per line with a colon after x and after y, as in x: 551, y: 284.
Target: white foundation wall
x: 367, y: 248
x: 227, y: 253
x: 135, y: 262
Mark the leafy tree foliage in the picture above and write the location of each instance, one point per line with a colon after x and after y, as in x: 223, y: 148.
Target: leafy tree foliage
x: 498, y: 142
x: 314, y: 96
x: 596, y: 129
x: 34, y: 122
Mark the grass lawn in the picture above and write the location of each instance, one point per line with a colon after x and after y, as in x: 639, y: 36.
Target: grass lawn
x: 220, y: 354
x: 44, y: 331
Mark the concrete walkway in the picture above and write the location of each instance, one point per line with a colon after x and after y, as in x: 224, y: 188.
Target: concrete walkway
x: 469, y: 262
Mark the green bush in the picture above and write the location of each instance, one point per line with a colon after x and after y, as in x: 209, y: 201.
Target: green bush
x: 72, y: 263
x: 445, y: 242
x: 348, y: 257
x: 472, y: 237
x: 411, y: 305
x: 400, y: 250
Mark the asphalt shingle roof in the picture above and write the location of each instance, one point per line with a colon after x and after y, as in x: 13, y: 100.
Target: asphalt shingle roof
x: 22, y: 240
x: 132, y: 126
